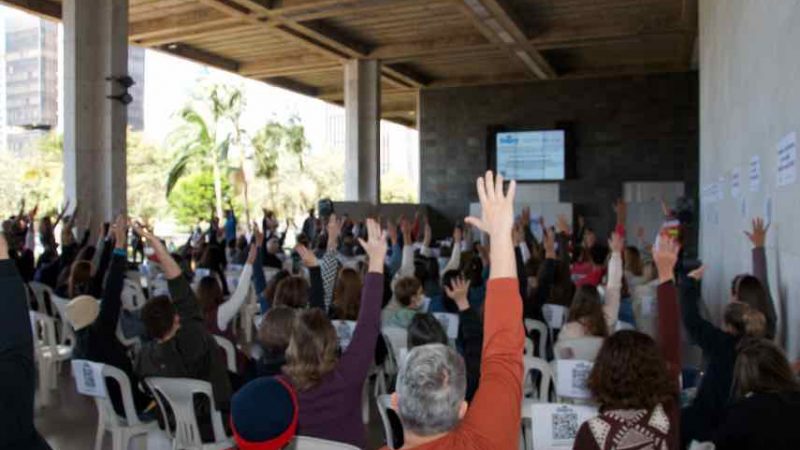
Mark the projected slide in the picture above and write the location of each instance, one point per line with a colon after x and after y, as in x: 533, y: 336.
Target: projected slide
x: 531, y: 155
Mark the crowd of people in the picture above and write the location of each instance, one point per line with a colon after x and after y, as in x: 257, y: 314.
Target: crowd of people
x: 494, y: 271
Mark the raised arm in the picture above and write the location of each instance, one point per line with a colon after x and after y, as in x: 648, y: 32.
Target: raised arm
x: 329, y: 264
x: 227, y: 311
x: 112, y: 301
x: 407, y: 265
x: 665, y: 257
x: 495, y: 412
x: 614, y: 284
x: 358, y: 357
x: 316, y: 295
x: 470, y: 332
x: 702, y: 332
x: 758, y: 237
x: 455, y: 256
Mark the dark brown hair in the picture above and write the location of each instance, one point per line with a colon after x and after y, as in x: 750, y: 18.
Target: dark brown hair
x: 762, y: 368
x: 209, y: 294
x: 347, y: 295
x: 272, y: 285
x: 633, y: 261
x: 745, y: 320
x: 158, y: 315
x: 405, y: 289
x: 587, y: 310
x: 80, y: 276
x: 749, y: 290
x: 313, y: 349
x: 276, y: 329
x: 292, y: 292
x: 630, y: 373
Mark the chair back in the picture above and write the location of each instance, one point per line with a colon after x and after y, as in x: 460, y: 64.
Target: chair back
x: 585, y: 348
x: 132, y: 295
x: 44, y: 332
x: 310, y: 443
x: 344, y: 331
x: 557, y: 424
x: 542, y: 390
x: 554, y: 316
x: 90, y: 380
x: 449, y: 323
x: 532, y: 325
x: 176, y: 395
x: 66, y: 334
x: 392, y: 428
x: 43, y: 294
x: 571, y: 376
x: 396, y: 339
x: 230, y: 352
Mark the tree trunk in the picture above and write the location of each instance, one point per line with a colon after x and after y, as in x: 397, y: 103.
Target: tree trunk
x: 218, y: 189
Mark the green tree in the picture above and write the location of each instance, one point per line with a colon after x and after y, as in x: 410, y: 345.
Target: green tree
x: 283, y: 146
x: 396, y: 188
x: 194, y: 196
x: 210, y: 126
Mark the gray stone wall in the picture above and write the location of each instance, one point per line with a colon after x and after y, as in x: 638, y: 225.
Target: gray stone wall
x: 642, y: 128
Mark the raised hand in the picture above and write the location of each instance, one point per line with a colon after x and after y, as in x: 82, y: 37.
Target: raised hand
x: 525, y: 217
x: 405, y: 228
x: 334, y: 228
x: 253, y: 252
x: 616, y: 243
x: 426, y: 241
x: 517, y: 234
x: 3, y: 246
x: 549, y: 242
x: 758, y: 235
x: 458, y: 291
x: 621, y: 209
x: 562, y: 225
x: 697, y: 274
x: 391, y: 230
x: 458, y: 236
x: 307, y: 256
x: 258, y: 235
x: 121, y: 231
x: 374, y: 246
x: 497, y: 220
x: 665, y: 255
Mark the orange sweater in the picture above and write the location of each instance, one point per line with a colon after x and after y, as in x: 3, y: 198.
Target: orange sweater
x: 493, y: 419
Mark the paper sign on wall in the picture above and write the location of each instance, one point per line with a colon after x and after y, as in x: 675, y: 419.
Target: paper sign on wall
x: 787, y: 160
x: 755, y: 173
x: 736, y: 182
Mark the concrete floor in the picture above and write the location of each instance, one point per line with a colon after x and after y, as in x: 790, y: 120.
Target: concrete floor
x: 70, y: 421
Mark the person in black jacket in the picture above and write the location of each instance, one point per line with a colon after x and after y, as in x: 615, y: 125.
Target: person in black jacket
x: 17, y: 371
x: 95, y: 327
x: 767, y: 408
x: 700, y: 419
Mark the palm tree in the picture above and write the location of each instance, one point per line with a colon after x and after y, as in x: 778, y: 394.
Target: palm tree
x: 210, y: 127
x: 271, y: 142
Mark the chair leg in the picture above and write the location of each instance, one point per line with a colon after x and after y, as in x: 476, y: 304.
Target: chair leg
x: 98, y: 438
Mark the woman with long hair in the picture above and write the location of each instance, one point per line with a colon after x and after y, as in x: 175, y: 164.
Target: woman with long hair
x: 767, y: 401
x: 329, y: 386
x: 637, y: 398
x: 346, y: 295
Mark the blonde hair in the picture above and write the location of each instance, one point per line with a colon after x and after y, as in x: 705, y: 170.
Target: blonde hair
x: 313, y: 350
x: 745, y: 320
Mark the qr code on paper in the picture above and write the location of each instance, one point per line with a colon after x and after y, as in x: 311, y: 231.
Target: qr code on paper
x: 580, y: 375
x: 565, y: 425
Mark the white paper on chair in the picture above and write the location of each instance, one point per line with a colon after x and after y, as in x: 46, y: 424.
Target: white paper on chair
x: 557, y: 424
x: 571, y: 378
x: 344, y: 330
x: 449, y: 322
x: 89, y: 378
x: 553, y: 315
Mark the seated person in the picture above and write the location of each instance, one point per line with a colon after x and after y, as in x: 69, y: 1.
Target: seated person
x: 432, y: 384
x: 96, y: 325
x: 182, y: 346
x: 274, y: 334
x: 257, y: 427
x: 410, y: 298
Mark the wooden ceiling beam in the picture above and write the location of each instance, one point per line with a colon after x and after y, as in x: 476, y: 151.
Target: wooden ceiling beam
x: 495, y: 21
x: 191, y: 22
x: 42, y: 8
x: 292, y: 85
x: 284, y: 67
x: 200, y: 55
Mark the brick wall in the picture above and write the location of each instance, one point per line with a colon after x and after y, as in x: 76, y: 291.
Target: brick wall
x: 642, y: 128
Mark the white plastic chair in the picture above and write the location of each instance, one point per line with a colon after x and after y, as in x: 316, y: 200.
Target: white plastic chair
x: 449, y: 322
x: 124, y: 428
x: 230, y: 352
x: 585, y: 348
x: 556, y: 424
x: 554, y: 316
x: 393, y: 432
x: 41, y: 292
x: 571, y: 377
x: 541, y: 328
x: 344, y: 331
x: 179, y: 393
x: 545, y: 381
x: 396, y: 339
x: 310, y: 443
x: 49, y: 353
x: 132, y: 295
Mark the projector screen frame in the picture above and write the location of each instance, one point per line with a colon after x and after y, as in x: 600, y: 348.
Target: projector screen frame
x: 569, y: 147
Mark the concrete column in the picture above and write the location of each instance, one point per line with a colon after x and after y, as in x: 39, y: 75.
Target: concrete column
x: 95, y: 47
x: 362, y: 103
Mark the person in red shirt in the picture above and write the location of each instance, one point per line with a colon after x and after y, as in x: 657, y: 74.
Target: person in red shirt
x: 431, y: 385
